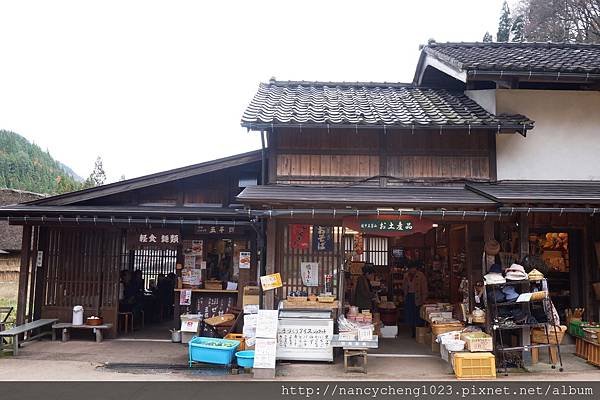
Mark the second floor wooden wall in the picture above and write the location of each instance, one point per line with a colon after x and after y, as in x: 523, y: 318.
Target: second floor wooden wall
x: 319, y: 156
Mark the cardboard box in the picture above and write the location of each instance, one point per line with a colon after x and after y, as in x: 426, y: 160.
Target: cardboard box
x: 427, y: 338
x: 421, y: 334
x: 251, y: 295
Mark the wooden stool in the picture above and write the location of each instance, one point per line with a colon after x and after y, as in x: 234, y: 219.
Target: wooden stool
x: 127, y: 318
x: 355, y: 355
x: 535, y: 355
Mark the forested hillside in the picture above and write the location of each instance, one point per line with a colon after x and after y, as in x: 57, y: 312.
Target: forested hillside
x: 25, y: 166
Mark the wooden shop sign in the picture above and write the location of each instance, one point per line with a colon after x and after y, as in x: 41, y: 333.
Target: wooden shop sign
x: 388, y: 225
x: 153, y: 238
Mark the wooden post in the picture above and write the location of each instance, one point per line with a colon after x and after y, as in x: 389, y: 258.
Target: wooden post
x: 523, y: 235
x: 40, y: 274
x: 23, y: 274
x: 269, y: 297
x: 488, y: 234
x: 524, y: 251
x: 32, y: 279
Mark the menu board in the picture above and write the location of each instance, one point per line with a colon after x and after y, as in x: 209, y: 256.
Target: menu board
x: 265, y: 350
x: 244, y: 260
x: 265, y: 353
x: 318, y: 337
x: 211, y: 306
x: 266, y: 324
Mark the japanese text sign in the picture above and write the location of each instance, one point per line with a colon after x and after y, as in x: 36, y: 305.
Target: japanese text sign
x: 269, y: 282
x: 153, y: 238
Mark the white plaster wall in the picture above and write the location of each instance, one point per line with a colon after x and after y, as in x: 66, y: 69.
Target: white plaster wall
x: 565, y: 143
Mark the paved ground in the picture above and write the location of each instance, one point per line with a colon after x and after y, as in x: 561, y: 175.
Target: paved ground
x: 155, y: 358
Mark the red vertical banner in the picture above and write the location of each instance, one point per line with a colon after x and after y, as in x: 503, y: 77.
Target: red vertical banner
x: 299, y: 236
x: 358, y: 243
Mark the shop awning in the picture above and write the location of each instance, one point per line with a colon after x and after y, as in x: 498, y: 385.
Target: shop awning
x: 539, y: 192
x: 23, y: 213
x: 404, y: 196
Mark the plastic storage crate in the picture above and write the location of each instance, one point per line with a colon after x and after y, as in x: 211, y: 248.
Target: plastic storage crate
x: 212, y: 350
x: 474, y: 365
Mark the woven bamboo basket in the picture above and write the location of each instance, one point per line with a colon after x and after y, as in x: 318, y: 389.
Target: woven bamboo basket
x: 220, y: 319
x: 538, y: 335
x: 438, y: 329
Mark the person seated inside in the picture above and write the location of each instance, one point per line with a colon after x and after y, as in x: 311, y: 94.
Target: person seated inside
x: 415, y: 289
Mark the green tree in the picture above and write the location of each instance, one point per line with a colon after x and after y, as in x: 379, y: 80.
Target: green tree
x: 504, y: 24
x: 487, y: 38
x: 25, y: 166
x: 517, y: 30
x: 98, y: 176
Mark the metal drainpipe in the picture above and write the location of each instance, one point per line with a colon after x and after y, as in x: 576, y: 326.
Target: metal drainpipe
x: 262, y: 239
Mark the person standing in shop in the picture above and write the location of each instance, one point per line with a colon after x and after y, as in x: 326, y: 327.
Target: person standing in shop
x: 363, y: 293
x: 415, y: 293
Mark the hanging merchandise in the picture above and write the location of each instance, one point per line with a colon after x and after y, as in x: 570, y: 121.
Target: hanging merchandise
x: 358, y: 244
x: 322, y: 238
x: 299, y: 236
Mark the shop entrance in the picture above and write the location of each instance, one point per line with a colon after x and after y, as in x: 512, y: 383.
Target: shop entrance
x: 440, y: 255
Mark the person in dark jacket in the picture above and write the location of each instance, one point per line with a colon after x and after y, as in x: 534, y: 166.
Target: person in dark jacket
x: 363, y: 293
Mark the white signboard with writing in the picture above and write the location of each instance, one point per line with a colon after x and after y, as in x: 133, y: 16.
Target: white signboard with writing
x: 265, y: 353
x: 266, y: 324
x: 310, y: 273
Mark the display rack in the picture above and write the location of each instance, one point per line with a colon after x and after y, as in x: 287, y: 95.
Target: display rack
x: 495, y: 327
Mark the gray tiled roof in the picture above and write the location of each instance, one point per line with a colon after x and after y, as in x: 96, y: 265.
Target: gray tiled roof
x: 408, y: 195
x: 369, y: 105
x: 535, y: 57
x: 551, y: 192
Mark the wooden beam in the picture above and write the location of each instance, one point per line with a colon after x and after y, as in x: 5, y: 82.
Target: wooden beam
x: 269, y: 297
x: 24, y: 274
x: 492, y: 157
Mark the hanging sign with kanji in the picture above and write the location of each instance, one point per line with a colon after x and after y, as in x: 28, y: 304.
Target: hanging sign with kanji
x: 219, y: 230
x: 388, y: 225
x: 153, y: 238
x: 299, y: 236
x: 322, y: 238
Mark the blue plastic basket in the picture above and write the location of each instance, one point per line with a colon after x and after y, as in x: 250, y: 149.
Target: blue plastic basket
x: 201, y: 351
x: 245, y: 358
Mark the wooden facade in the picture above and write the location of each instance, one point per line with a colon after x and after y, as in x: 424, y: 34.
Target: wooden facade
x: 338, y: 156
x: 70, y: 263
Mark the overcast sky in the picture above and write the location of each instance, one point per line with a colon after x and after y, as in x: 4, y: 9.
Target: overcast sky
x: 154, y: 85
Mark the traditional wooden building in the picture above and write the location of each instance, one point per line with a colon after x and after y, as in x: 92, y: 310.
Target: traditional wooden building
x: 342, y: 154
x: 433, y: 170
x: 76, y: 245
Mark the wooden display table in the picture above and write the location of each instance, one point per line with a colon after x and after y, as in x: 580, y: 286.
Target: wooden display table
x: 65, y: 326
x: 355, y: 349
x: 286, y: 304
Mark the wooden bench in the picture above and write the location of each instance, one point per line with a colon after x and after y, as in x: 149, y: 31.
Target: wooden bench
x: 65, y: 326
x: 25, y: 328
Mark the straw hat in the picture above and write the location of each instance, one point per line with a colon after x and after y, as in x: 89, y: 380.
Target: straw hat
x: 492, y: 247
x: 535, y: 275
x: 516, y: 272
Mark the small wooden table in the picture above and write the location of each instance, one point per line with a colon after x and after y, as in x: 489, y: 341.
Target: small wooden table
x: 355, y: 349
x: 65, y: 326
